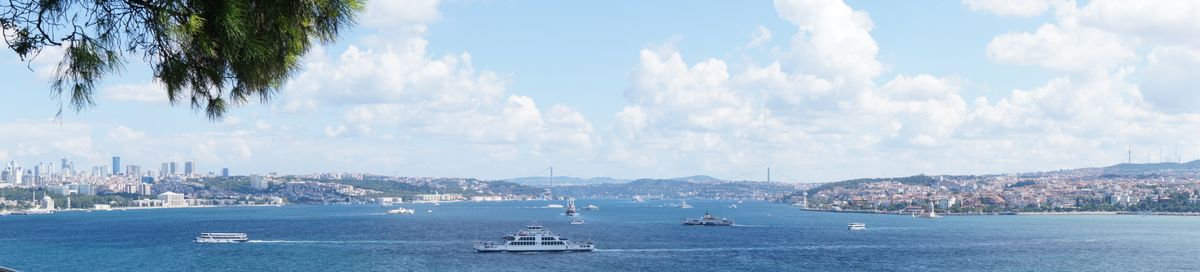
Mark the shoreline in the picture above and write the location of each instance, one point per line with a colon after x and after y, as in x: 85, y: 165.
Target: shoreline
x: 17, y: 212
x: 1015, y: 213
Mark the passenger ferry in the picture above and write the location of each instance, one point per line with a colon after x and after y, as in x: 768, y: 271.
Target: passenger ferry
x: 857, y: 226
x: 534, y: 238
x: 217, y: 237
x: 708, y: 220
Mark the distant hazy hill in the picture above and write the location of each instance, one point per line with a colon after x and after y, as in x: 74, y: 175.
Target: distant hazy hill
x: 1135, y: 168
x: 699, y: 179
x: 545, y: 181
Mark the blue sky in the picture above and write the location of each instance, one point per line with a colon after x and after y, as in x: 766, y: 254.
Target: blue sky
x: 817, y: 90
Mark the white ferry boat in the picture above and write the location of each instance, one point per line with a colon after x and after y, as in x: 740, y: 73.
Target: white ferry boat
x: 685, y: 205
x: 591, y: 208
x: 534, y: 238
x: 857, y: 226
x: 402, y: 211
x: 555, y: 206
x: 218, y: 237
x: 708, y: 220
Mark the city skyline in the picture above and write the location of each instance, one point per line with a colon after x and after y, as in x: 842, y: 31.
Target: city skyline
x: 492, y: 90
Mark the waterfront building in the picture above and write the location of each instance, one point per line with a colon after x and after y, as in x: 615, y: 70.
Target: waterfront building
x: 487, y: 198
x: 437, y: 197
x: 172, y: 199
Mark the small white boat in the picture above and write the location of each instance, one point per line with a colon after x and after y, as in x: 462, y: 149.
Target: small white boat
x: 221, y: 237
x: 576, y: 221
x: 685, y: 205
x: 857, y: 226
x: 733, y: 206
x: 402, y: 211
x: 555, y: 206
x: 592, y: 208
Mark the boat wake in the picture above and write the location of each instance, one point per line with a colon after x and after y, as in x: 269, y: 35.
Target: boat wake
x: 718, y: 249
x: 353, y: 242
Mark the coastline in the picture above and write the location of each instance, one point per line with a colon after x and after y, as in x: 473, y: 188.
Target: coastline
x: 16, y: 212
x: 1015, y: 213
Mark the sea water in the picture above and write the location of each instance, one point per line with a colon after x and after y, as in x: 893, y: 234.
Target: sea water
x: 629, y: 236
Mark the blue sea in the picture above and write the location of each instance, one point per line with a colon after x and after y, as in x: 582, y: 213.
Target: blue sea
x: 629, y: 237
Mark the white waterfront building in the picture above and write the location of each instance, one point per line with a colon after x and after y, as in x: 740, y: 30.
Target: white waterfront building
x: 172, y: 199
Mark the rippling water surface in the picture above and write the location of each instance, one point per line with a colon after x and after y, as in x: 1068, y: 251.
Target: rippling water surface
x: 630, y: 237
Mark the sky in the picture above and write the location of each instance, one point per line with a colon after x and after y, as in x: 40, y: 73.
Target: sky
x: 815, y: 90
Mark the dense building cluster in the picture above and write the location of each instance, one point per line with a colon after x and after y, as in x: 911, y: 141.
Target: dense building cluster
x: 1167, y: 187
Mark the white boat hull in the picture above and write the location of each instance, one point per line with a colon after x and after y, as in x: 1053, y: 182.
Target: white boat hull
x: 535, y: 248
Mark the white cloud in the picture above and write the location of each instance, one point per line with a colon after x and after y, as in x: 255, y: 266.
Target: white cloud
x: 760, y: 36
x: 1016, y: 8
x: 389, y: 88
x: 1066, y: 48
x: 399, y: 13
x: 148, y: 92
x: 1171, y: 22
x: 834, y: 40
x: 1171, y: 77
x: 125, y: 134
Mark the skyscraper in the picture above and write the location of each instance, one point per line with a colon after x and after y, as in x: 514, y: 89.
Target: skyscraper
x: 116, y: 166
x: 64, y: 167
x: 173, y: 168
x: 188, y: 167
x: 225, y: 172
x: 163, y: 172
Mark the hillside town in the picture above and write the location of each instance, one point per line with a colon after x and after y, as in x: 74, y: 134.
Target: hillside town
x: 1161, y: 187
